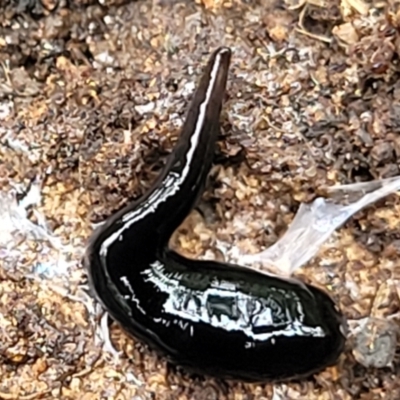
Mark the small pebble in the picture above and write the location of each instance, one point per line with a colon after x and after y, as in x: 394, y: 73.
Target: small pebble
x: 375, y: 343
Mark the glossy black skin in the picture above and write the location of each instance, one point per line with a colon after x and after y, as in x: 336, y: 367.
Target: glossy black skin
x: 209, y: 317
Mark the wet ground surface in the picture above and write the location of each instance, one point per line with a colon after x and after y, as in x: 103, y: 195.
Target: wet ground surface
x: 92, y: 95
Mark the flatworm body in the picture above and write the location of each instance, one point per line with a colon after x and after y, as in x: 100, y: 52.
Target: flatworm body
x: 209, y: 317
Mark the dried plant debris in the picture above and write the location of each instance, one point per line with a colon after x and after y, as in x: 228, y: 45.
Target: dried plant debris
x: 92, y: 96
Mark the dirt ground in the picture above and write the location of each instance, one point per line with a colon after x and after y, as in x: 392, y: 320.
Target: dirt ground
x: 92, y: 95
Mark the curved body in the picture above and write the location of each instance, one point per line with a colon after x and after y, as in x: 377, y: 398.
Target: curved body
x: 213, y: 318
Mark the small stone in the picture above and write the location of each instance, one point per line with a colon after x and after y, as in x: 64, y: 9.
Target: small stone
x: 375, y: 343
x: 382, y: 152
x: 346, y: 33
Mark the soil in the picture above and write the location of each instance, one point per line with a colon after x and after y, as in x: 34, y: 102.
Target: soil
x: 92, y: 96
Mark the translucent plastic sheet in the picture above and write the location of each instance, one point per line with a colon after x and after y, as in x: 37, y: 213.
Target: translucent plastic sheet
x: 315, y: 223
x: 14, y: 219
x: 18, y: 232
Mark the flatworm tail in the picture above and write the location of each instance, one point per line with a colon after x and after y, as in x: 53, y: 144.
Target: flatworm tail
x: 187, y: 170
